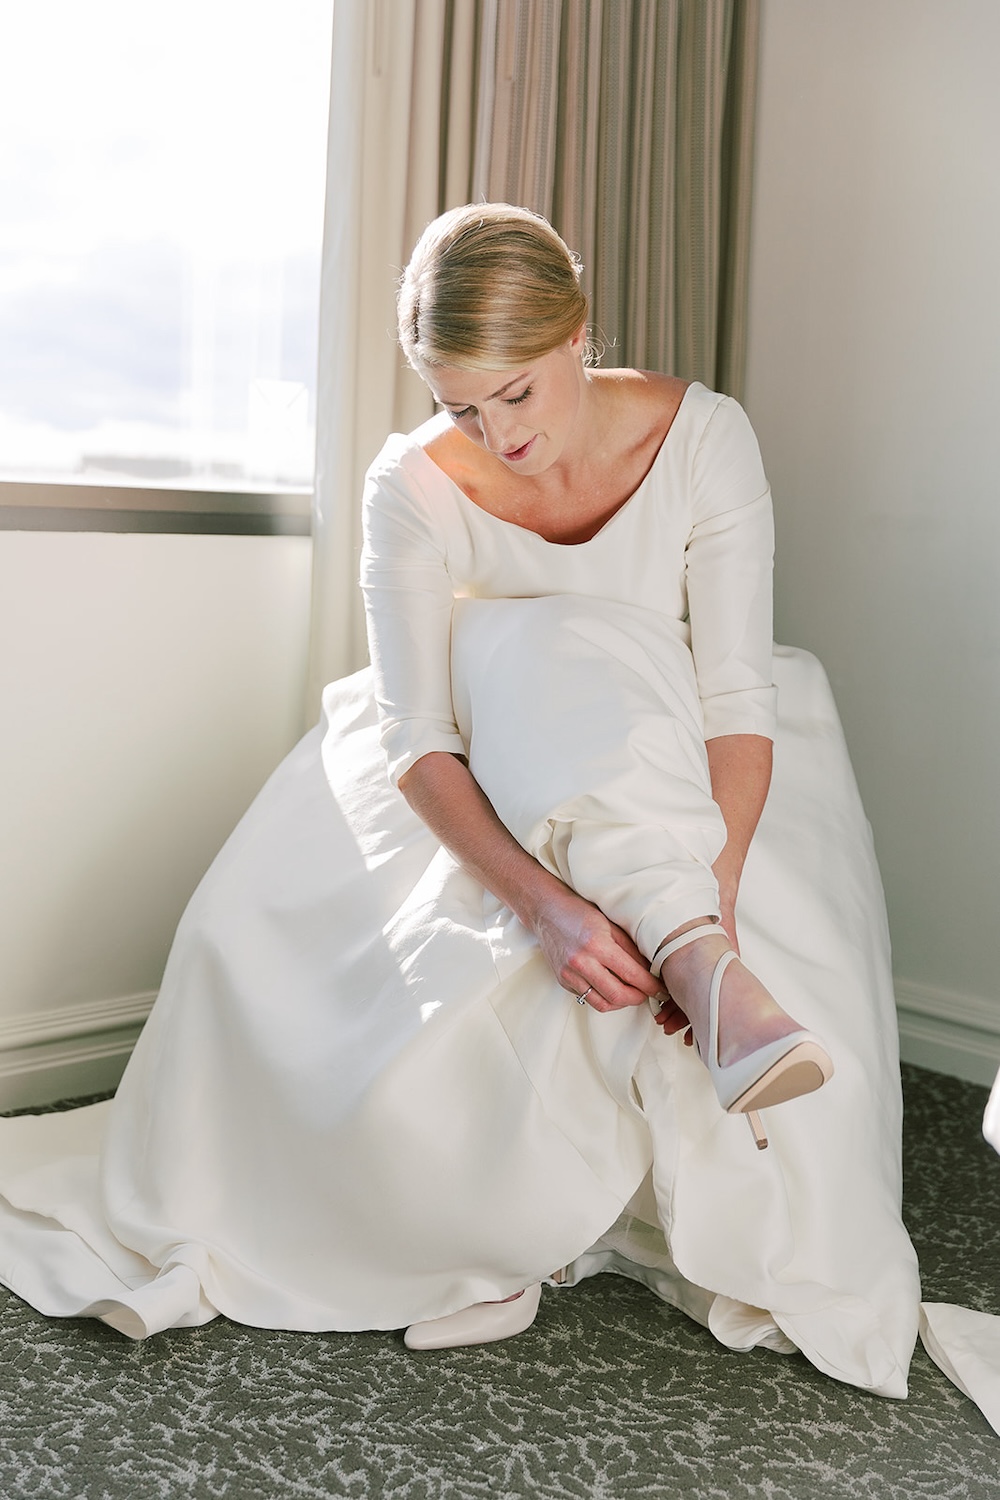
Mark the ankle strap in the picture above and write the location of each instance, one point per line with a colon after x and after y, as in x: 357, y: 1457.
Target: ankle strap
x: 663, y: 952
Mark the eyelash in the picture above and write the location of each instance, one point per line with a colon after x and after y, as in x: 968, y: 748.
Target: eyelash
x: 467, y: 411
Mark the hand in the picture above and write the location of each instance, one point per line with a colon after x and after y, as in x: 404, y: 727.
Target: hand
x: 672, y: 1019
x: 586, y: 951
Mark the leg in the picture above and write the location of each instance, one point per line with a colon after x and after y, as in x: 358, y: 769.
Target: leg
x: 766, y: 1059
x: 749, y: 1014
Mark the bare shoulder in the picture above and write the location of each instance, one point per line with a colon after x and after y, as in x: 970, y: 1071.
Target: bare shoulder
x: 454, y: 455
x: 644, y: 401
x: 442, y: 445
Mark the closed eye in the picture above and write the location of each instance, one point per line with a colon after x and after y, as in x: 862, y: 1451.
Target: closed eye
x: 470, y: 411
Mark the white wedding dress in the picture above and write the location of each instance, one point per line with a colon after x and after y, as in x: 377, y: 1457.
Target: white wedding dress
x: 362, y: 1099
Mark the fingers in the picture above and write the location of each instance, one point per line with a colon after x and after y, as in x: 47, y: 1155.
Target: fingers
x: 615, y: 973
x: 602, y: 989
x: 629, y: 979
x: 594, y: 959
x: 671, y: 1019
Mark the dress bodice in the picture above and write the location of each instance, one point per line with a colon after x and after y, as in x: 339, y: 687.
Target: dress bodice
x: 694, y: 542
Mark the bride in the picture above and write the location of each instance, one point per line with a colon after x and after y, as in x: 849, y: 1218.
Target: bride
x: 420, y: 1043
x: 492, y: 317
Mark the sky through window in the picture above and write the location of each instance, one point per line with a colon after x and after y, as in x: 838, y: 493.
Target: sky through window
x: 162, y: 172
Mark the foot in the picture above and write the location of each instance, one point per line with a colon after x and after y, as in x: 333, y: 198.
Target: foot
x: 749, y: 1016
x: 482, y: 1323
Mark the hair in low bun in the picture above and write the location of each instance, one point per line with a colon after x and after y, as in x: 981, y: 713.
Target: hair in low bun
x: 488, y: 287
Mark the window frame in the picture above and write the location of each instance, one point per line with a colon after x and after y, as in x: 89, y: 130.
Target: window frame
x: 83, y: 505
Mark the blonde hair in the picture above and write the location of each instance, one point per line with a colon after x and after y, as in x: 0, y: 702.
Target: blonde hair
x: 488, y: 287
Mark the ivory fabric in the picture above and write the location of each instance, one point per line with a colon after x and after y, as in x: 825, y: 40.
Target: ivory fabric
x: 965, y: 1344
x: 694, y: 541
x: 362, y: 1099
x: 991, y: 1116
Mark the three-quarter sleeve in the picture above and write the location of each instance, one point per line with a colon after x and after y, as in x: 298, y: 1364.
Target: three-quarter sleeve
x: 729, y: 564
x: 409, y: 602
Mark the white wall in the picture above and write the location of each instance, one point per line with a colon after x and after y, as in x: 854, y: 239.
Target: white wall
x: 874, y: 385
x: 148, y: 685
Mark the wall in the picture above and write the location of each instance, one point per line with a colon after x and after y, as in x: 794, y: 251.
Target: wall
x: 148, y: 685
x: 874, y: 384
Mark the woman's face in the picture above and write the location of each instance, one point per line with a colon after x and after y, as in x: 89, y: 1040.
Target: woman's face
x: 524, y: 417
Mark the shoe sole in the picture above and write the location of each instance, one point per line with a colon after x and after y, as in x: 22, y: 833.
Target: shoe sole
x: 801, y: 1071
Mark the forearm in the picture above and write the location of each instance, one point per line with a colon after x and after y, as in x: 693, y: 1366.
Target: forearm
x: 740, y: 768
x: 588, y: 954
x: 443, y: 792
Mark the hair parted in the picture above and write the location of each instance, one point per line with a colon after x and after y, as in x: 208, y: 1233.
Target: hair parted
x: 488, y: 287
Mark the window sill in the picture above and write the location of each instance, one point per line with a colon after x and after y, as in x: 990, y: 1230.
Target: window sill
x: 31, y: 505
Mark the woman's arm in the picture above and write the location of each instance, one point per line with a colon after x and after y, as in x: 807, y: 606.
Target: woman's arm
x: 409, y: 599
x: 740, y: 768
x: 581, y: 945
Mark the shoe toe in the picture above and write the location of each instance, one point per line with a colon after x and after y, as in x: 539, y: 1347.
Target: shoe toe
x: 483, y: 1323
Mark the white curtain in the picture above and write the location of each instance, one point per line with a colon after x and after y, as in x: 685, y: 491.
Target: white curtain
x: 402, y: 92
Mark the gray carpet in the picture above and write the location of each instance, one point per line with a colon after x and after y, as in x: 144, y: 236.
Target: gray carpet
x: 610, y: 1394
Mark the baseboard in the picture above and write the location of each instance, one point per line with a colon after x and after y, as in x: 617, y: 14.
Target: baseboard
x: 948, y: 1032
x: 68, y: 1053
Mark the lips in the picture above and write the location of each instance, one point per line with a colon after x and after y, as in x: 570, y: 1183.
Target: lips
x: 516, y: 454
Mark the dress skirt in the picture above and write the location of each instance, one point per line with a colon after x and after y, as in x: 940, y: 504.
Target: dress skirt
x: 362, y: 1099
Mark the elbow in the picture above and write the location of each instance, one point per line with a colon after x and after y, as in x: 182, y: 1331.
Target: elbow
x: 425, y: 772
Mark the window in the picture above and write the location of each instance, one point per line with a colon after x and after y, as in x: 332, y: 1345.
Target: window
x: 162, y: 172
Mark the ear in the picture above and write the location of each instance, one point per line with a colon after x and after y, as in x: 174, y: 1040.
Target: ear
x: 578, y: 340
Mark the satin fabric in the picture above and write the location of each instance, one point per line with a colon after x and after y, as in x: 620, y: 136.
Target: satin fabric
x: 362, y: 1099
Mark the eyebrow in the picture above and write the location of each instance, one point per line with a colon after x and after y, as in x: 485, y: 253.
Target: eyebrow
x: 462, y: 405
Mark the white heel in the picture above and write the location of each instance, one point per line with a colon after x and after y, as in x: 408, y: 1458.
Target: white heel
x: 482, y: 1323
x: 785, y: 1069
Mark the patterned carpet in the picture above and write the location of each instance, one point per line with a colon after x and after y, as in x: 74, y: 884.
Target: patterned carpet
x: 610, y: 1394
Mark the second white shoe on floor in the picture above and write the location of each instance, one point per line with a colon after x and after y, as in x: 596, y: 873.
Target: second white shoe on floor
x: 482, y: 1323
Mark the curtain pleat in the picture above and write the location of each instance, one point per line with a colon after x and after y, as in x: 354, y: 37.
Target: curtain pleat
x: 737, y: 190
x: 629, y: 123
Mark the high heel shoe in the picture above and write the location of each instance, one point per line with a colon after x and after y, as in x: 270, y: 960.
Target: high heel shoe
x: 482, y: 1323
x: 785, y: 1069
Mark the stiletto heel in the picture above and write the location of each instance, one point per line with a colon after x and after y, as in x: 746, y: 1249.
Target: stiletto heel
x: 756, y: 1129
x: 785, y: 1069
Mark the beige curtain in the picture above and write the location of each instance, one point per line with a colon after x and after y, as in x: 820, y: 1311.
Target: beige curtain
x: 400, y: 144
x: 629, y: 123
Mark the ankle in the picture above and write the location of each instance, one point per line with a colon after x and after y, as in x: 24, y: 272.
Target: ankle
x: 696, y: 957
x: 688, y: 934
x: 689, y: 926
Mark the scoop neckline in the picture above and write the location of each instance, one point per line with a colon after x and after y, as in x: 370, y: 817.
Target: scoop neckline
x: 526, y: 530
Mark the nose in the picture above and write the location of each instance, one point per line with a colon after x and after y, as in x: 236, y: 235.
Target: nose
x: 496, y: 431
